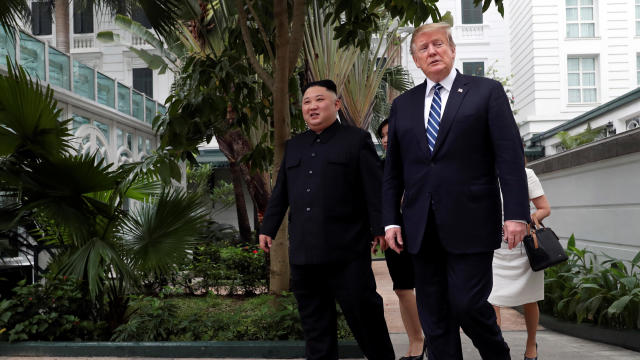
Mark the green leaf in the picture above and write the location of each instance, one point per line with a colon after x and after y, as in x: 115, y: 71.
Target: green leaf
x: 108, y: 37
x: 619, y: 305
x: 153, y: 61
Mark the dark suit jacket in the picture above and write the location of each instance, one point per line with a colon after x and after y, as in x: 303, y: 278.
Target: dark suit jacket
x: 478, y: 144
x: 331, y: 182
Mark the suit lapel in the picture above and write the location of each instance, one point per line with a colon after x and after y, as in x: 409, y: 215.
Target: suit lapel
x: 459, y: 90
x: 418, y: 120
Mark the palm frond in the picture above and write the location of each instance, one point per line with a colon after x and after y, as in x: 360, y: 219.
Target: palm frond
x: 29, y: 117
x: 157, y: 234
x: 325, y: 58
x: 11, y: 11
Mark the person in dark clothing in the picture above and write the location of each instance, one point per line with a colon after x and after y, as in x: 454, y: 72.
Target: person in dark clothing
x: 330, y: 180
x: 401, y: 271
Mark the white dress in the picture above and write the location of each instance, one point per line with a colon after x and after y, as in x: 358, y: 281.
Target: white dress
x: 514, y: 283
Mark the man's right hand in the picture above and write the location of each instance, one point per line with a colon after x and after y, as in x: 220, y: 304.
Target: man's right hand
x: 265, y: 242
x: 393, y: 237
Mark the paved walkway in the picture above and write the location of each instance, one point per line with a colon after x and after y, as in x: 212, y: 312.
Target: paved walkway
x: 553, y: 346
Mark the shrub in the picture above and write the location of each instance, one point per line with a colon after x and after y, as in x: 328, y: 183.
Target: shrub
x: 606, y: 293
x: 216, y: 318
x: 55, y: 310
x: 228, y: 270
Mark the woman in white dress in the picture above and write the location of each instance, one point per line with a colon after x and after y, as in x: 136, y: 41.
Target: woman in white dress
x: 514, y: 283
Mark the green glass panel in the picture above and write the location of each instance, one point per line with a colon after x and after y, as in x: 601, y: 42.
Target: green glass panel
x: 573, y: 64
x: 637, y: 12
x: 59, y: 69
x: 572, y: 2
x: 572, y: 14
x: 638, y: 28
x: 162, y: 109
x: 586, y: 2
x: 83, y: 80
x: 137, y: 105
x: 32, y: 56
x: 140, y: 143
x: 104, y: 128
x: 149, y: 109
x: 106, y: 90
x: 7, y: 47
x: 124, y: 99
x: 78, y: 121
x: 129, y: 141
x: 148, y: 146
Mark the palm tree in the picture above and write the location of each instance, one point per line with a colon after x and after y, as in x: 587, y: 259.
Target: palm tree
x: 75, y: 202
x: 363, y: 77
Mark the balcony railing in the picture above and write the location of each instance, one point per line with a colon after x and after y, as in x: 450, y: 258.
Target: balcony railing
x: 84, y: 41
x: 108, y: 116
x: 51, y: 66
x: 470, y: 31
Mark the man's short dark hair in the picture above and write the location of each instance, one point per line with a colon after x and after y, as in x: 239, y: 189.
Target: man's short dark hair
x: 382, y: 124
x: 326, y: 83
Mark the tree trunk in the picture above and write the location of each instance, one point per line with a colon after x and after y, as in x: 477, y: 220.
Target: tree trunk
x: 62, y: 26
x: 279, y: 272
x: 244, y: 226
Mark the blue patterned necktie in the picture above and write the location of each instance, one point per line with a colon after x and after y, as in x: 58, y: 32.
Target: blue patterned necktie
x: 435, y: 113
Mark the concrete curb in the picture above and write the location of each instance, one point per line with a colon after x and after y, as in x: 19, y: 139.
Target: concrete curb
x: 198, y: 349
x: 628, y: 339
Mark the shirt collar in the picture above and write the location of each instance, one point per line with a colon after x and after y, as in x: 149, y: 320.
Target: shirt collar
x: 326, y: 134
x: 446, y: 83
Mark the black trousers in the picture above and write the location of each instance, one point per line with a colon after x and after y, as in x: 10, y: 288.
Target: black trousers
x: 352, y: 285
x: 452, y: 292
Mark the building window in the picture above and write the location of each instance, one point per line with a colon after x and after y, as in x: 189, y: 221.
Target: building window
x: 82, y: 17
x: 580, y: 19
x: 471, y: 14
x: 473, y: 68
x: 638, y: 17
x: 581, y: 73
x: 40, y: 18
x: 143, y: 81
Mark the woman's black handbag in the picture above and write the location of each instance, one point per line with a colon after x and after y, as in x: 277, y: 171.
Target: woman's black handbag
x: 543, y: 247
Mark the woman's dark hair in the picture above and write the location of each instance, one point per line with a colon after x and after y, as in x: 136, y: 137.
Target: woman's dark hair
x: 382, y: 124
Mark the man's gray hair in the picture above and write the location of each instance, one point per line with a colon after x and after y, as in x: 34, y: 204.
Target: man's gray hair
x: 441, y: 26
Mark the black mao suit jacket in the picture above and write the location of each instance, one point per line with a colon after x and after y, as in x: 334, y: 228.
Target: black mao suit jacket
x: 478, y: 149
x: 331, y: 182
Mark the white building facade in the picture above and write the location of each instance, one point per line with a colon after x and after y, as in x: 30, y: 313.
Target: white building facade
x: 569, y: 57
x: 482, y: 41
x: 114, y: 60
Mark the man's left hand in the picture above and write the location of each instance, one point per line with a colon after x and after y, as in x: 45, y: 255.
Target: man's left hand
x: 514, y: 231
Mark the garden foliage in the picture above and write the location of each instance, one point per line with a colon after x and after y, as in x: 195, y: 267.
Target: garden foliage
x: 605, y: 293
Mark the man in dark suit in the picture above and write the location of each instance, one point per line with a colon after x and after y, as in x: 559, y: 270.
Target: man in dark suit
x: 453, y: 144
x: 330, y: 178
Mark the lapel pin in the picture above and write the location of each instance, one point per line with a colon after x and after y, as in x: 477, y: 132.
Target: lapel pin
x: 459, y: 90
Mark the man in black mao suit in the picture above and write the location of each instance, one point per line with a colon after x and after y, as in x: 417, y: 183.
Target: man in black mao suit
x: 330, y: 178
x: 453, y: 144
